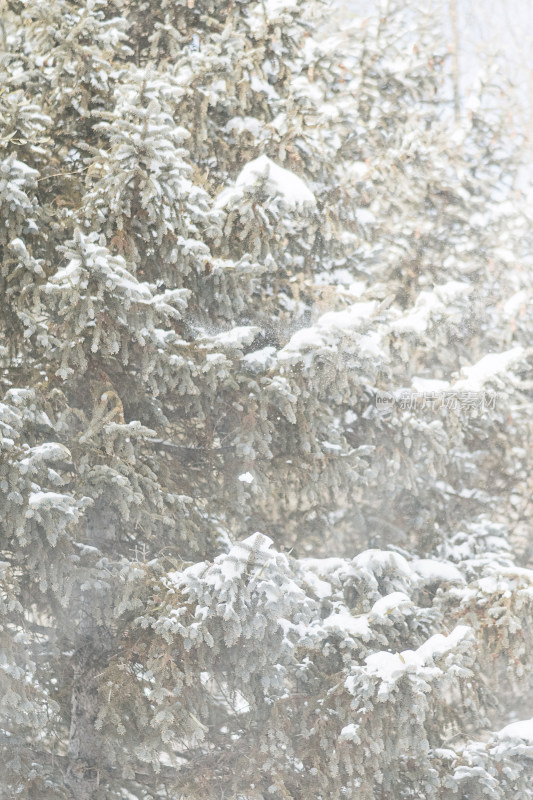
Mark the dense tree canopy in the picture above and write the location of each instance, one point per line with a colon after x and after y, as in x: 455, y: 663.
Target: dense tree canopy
x: 265, y: 426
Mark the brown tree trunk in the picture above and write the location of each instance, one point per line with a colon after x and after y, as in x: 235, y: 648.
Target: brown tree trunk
x: 455, y: 56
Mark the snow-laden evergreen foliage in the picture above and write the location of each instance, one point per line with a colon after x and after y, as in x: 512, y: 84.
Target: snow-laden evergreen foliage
x: 264, y: 426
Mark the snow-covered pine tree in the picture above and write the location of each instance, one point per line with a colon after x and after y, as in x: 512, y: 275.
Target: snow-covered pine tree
x: 223, y: 238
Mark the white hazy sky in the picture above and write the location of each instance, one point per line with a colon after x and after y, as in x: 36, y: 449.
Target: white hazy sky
x: 502, y: 29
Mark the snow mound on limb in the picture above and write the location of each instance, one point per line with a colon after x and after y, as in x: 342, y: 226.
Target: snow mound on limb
x: 390, y: 667
x: 523, y: 729
x: 279, y: 182
x: 330, y: 326
x: 429, y: 302
x: 489, y: 367
x: 432, y: 571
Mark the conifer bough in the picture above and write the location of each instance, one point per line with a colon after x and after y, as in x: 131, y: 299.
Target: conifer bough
x: 225, y: 570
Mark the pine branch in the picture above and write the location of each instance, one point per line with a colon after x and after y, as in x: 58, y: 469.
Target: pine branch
x: 161, y: 444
